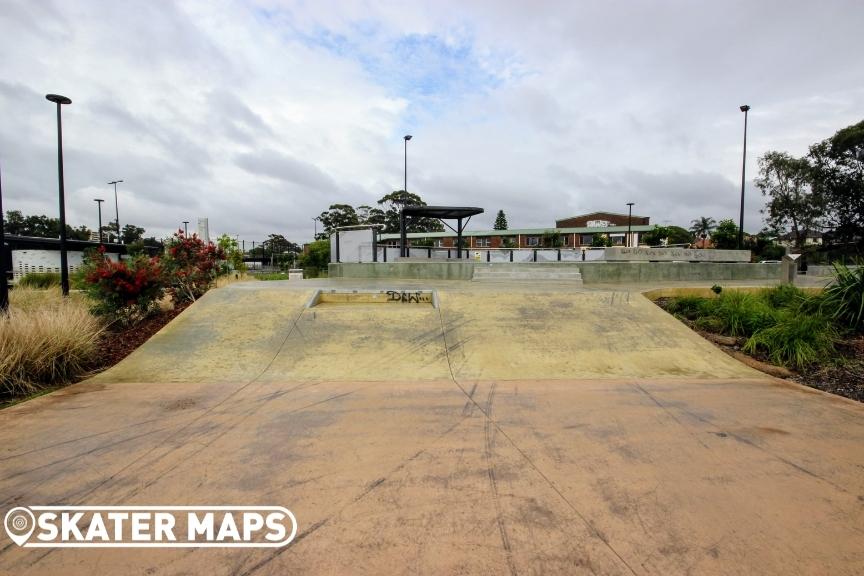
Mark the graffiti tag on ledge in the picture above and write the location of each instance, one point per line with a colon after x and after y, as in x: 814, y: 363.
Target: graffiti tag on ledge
x: 409, y: 297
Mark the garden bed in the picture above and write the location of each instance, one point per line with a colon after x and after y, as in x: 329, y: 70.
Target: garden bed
x: 117, y: 343
x: 782, y: 331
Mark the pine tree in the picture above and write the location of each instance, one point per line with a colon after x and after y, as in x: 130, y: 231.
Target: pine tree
x: 500, y: 221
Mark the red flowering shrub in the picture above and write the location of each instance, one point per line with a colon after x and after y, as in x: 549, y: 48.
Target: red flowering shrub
x: 126, y: 290
x: 191, y: 266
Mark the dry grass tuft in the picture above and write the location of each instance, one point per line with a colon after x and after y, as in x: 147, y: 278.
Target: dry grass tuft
x: 45, y: 340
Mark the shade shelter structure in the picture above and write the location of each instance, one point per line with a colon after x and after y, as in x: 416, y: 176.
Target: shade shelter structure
x: 462, y: 215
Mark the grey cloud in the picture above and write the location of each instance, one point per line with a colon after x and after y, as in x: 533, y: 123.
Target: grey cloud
x: 283, y: 167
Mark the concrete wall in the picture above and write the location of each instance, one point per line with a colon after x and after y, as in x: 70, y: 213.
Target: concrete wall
x: 643, y: 254
x: 27, y: 261
x: 654, y: 272
x: 419, y: 270
x: 592, y: 272
x: 818, y: 270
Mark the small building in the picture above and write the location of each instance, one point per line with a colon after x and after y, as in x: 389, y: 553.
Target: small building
x: 573, y: 232
x: 602, y: 220
x: 811, y: 238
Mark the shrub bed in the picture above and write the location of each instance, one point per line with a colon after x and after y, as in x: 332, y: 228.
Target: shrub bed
x: 812, y: 334
x: 45, y: 340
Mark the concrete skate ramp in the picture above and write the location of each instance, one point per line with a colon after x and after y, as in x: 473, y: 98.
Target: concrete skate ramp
x: 506, y: 432
x: 245, y: 332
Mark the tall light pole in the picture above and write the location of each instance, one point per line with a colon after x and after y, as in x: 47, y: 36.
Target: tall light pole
x: 315, y: 220
x: 406, y: 138
x: 99, y: 204
x: 629, y: 219
x: 743, y: 109
x: 4, y: 282
x: 64, y: 269
x: 186, y: 228
x: 117, y: 211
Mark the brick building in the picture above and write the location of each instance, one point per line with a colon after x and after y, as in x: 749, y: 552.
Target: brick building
x: 573, y: 232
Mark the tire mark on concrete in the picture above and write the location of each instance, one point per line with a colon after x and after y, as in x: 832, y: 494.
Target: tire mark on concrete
x: 73, y: 440
x: 371, y: 487
x: 671, y: 415
x: 489, y: 440
x: 748, y: 442
x: 588, y: 524
x: 135, y: 460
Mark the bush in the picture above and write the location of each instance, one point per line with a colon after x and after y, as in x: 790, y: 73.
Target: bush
x: 40, y: 280
x: 741, y: 314
x: 272, y: 276
x: 783, y: 296
x: 844, y: 298
x: 124, y: 292
x: 690, y: 307
x: 796, y: 340
x: 191, y: 266
x: 45, y: 340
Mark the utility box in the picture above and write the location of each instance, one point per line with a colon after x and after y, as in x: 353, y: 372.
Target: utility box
x: 295, y: 274
x: 789, y: 268
x: 354, y: 244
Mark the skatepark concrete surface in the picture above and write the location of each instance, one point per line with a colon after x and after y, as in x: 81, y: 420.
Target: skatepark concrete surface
x: 514, y: 429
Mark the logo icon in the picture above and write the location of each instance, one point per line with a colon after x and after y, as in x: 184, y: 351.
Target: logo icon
x: 19, y: 523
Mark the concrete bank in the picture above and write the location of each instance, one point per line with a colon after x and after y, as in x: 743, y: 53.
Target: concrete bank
x: 592, y: 272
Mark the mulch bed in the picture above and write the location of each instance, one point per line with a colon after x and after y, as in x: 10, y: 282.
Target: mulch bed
x: 116, y: 344
x: 842, y: 375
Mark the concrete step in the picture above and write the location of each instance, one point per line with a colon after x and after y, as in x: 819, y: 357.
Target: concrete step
x: 528, y: 273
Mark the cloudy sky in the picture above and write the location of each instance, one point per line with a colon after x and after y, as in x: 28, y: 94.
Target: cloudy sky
x: 260, y: 114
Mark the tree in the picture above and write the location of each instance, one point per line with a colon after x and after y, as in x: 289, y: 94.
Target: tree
x: 599, y: 240
x: 371, y: 216
x: 41, y: 226
x: 278, y: 244
x: 338, y: 215
x: 393, y: 204
x: 725, y: 235
x: 838, y: 178
x: 702, y: 227
x: 551, y: 239
x: 792, y: 203
x: 233, y: 254
x: 315, y: 258
x: 664, y: 235
x: 131, y: 233
x: 500, y: 221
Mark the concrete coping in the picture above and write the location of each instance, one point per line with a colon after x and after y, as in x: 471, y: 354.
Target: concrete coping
x: 358, y: 296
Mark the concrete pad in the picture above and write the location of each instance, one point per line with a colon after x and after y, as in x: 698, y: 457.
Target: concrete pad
x: 504, y: 441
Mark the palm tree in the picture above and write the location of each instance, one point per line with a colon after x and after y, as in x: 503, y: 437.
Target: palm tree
x: 702, y: 227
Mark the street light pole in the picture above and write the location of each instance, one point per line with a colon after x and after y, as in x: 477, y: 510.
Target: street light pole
x: 406, y: 138
x: 117, y: 210
x: 4, y: 282
x: 743, y: 109
x: 99, y: 204
x: 315, y: 220
x: 186, y: 228
x: 629, y: 219
x: 64, y: 269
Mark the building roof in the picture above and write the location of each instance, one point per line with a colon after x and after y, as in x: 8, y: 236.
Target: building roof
x: 807, y: 234
x: 528, y: 232
x: 445, y: 212
x: 596, y: 213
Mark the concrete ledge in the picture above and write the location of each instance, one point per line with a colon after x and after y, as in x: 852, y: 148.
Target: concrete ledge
x: 654, y: 272
x: 642, y: 254
x: 408, y: 270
